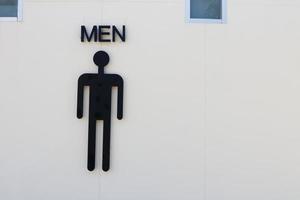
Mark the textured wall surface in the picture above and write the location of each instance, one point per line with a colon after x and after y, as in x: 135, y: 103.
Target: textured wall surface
x: 211, y: 111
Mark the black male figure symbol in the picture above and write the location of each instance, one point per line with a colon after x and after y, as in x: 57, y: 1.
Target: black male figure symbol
x: 100, y: 106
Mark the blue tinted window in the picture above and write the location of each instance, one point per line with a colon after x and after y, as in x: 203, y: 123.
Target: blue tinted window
x: 8, y: 8
x: 206, y: 9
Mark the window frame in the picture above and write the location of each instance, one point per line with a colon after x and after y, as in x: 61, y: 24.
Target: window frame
x: 223, y: 20
x: 15, y: 19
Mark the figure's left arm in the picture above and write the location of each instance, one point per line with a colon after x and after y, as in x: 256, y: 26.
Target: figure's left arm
x: 120, y: 85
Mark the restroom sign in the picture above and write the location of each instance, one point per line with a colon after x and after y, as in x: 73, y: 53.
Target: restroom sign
x: 100, y: 85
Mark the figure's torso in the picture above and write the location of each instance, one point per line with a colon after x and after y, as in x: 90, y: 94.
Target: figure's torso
x: 100, y: 96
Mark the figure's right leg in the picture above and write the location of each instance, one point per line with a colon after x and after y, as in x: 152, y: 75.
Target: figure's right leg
x: 91, y: 144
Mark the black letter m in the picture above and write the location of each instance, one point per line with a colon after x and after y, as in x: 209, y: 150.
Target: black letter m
x: 84, y: 34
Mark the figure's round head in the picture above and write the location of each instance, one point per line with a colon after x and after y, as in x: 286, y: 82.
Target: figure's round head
x: 101, y: 58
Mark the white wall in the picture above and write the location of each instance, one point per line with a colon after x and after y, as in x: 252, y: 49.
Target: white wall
x: 211, y: 111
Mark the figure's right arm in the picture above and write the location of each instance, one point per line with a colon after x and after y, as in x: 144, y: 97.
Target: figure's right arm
x: 80, y: 91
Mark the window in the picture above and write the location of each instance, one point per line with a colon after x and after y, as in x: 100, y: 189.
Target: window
x: 10, y: 10
x: 207, y: 11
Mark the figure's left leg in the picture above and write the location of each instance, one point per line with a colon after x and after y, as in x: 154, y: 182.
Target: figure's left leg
x: 106, y: 145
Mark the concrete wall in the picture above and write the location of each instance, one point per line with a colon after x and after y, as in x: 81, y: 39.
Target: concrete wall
x: 211, y: 111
